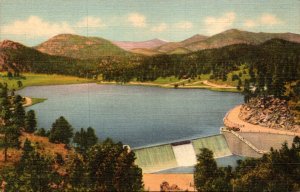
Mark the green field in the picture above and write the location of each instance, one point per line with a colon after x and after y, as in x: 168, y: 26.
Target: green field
x: 31, y: 79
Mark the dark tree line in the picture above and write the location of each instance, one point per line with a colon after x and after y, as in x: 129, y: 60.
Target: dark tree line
x: 274, y: 62
x: 272, y: 65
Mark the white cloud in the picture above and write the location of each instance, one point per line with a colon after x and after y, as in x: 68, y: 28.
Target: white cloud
x: 269, y: 19
x: 91, y: 22
x: 184, y: 25
x: 160, y: 28
x: 250, y: 23
x: 218, y: 24
x: 265, y: 19
x: 137, y: 20
x: 36, y: 27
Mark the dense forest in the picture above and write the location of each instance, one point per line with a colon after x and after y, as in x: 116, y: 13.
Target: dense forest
x: 276, y: 56
x: 271, y: 67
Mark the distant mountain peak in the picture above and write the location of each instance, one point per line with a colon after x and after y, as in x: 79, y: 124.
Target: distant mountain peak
x: 232, y: 31
x: 149, y: 44
x: 194, y: 38
x: 76, y: 46
x: 10, y: 44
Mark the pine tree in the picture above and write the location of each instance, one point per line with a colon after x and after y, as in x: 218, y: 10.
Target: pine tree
x: 19, y: 115
x: 111, y: 167
x: 205, y: 170
x: 10, y: 138
x: 61, y: 131
x: 77, y: 176
x: 35, y: 173
x: 247, y: 91
x: 30, y: 123
x: 85, y: 139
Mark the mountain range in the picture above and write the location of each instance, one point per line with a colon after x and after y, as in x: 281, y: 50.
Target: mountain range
x: 75, y: 49
x: 81, y: 47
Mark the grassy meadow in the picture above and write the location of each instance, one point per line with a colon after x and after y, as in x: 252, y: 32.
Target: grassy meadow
x: 30, y: 79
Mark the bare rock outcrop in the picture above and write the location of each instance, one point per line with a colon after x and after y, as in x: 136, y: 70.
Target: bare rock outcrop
x: 269, y: 112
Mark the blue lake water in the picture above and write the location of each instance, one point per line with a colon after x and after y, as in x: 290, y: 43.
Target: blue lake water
x: 135, y: 115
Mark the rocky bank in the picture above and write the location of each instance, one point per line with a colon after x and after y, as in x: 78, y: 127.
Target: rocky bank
x: 269, y: 112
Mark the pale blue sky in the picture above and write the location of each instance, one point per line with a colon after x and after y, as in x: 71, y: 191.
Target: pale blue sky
x: 34, y: 21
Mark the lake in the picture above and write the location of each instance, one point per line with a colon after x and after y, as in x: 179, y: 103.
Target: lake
x: 135, y: 115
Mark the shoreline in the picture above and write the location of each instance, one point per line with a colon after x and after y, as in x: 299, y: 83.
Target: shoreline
x: 29, y: 101
x: 232, y: 119
x: 219, y: 88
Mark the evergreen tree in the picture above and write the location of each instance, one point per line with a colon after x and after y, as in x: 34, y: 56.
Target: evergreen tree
x: 77, y: 177
x: 34, y: 172
x: 41, y: 132
x: 20, y: 84
x: 10, y: 138
x: 85, y: 139
x: 92, y: 139
x: 205, y: 170
x: 107, y: 162
x: 18, y: 99
x: 30, y: 123
x: 19, y: 115
x: 61, y: 131
x: 247, y: 91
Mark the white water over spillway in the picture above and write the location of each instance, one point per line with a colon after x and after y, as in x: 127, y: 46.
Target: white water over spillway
x: 185, y: 155
x: 180, y: 154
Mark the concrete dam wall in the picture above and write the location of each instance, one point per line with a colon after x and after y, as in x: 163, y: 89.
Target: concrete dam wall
x: 161, y: 157
x: 254, y: 144
x: 184, y: 154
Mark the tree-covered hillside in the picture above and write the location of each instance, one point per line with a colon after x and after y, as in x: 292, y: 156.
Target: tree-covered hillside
x: 270, y: 66
x: 80, y: 47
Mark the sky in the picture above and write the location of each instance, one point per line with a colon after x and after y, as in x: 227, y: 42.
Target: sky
x: 33, y: 21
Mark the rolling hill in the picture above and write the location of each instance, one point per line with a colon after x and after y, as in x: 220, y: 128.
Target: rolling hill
x: 17, y: 57
x: 172, y: 46
x: 80, y: 47
x: 229, y: 37
x: 234, y: 36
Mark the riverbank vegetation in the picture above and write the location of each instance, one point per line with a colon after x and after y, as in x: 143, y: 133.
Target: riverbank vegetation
x: 276, y: 171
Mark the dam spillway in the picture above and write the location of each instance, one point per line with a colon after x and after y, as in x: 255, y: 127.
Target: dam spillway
x: 155, y: 158
x: 167, y: 156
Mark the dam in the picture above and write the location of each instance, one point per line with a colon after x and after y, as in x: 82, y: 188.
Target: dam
x: 227, y: 147
x: 179, y: 154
